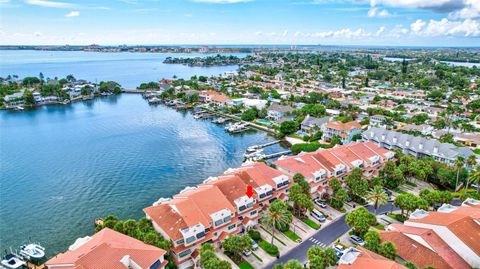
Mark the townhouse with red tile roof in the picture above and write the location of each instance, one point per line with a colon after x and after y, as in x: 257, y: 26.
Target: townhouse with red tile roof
x: 452, y: 226
x: 215, y: 209
x: 362, y: 258
x: 109, y: 249
x: 321, y: 166
x: 345, y: 131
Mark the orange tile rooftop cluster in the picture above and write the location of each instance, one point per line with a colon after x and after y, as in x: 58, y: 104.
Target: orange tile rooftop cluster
x: 215, y: 209
x: 320, y: 166
x: 109, y: 249
x: 362, y: 258
x: 451, y: 233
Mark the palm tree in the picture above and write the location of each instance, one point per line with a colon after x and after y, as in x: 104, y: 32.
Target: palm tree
x: 475, y: 177
x: 471, y: 161
x: 277, y: 215
x: 378, y: 196
x: 459, y: 164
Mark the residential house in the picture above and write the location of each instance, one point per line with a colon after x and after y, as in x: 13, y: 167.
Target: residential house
x: 277, y: 111
x: 345, y: 131
x: 378, y: 121
x: 423, y: 247
x: 310, y: 124
x: 109, y: 249
x: 362, y: 258
x: 321, y: 166
x: 458, y: 227
x: 418, y: 147
x: 424, y: 129
x: 468, y: 139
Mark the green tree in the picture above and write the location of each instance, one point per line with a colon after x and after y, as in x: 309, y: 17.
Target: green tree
x: 335, y: 184
x: 410, y: 265
x: 388, y: 250
x: 249, y: 114
x: 409, y: 202
x: 293, y: 264
x: 360, y: 220
x: 377, y: 196
x: 320, y: 258
x: 28, y: 97
x: 357, y: 185
x: 276, y: 216
x: 301, y: 201
x: 372, y: 241
x: 235, y: 245
x: 298, y: 177
x: 288, y: 127
x: 475, y: 177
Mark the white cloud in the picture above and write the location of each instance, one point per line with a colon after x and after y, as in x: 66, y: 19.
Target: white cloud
x: 222, y: 1
x: 378, y: 12
x: 417, y: 26
x: 446, y: 27
x: 436, y: 5
x: 470, y: 11
x: 380, y: 31
x: 37, y: 33
x: 285, y: 33
x: 46, y: 3
x: 72, y: 14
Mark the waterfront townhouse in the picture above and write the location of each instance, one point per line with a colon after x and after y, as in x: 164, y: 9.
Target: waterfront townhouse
x: 458, y: 227
x: 345, y: 131
x: 321, y: 166
x: 418, y: 147
x: 109, y: 249
x: 423, y: 247
x: 194, y: 216
x: 215, y: 209
x: 362, y: 258
x: 378, y: 121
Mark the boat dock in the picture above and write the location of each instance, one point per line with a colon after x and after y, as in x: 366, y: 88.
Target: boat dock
x: 274, y: 155
x: 261, y: 146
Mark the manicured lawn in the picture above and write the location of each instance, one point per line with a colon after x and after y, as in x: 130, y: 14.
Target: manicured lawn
x: 411, y: 184
x: 245, y: 265
x: 276, y: 238
x: 311, y: 223
x: 293, y: 236
x: 477, y: 151
x: 397, y: 217
x: 271, y: 250
x: 380, y: 227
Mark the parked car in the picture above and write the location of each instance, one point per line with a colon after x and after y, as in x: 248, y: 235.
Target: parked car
x: 254, y: 245
x: 357, y: 240
x: 387, y: 191
x: 247, y: 252
x: 339, y: 249
x: 320, y: 203
x: 349, y: 199
x: 318, y: 216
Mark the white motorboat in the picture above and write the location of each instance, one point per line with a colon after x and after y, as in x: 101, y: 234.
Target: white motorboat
x: 197, y: 116
x: 32, y: 251
x: 12, y: 261
x: 252, y: 155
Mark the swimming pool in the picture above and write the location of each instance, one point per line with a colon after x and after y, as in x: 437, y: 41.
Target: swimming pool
x: 264, y: 121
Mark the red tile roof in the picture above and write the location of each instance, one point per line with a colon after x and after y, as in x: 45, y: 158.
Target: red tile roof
x: 104, y: 250
x: 370, y: 260
x: 423, y: 247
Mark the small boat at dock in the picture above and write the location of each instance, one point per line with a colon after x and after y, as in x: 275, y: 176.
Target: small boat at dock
x: 237, y: 127
x: 32, y: 251
x: 13, y: 261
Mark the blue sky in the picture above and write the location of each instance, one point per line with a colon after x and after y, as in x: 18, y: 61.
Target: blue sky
x: 345, y: 22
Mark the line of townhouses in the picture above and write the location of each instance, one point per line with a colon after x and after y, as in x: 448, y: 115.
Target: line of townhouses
x: 220, y: 207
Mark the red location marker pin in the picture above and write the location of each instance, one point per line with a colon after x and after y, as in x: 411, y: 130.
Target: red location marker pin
x: 249, y: 192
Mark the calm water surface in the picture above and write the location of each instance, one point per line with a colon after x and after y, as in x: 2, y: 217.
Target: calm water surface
x: 63, y: 166
x: 129, y: 69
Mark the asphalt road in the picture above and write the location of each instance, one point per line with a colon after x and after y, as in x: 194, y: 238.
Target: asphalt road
x: 324, y: 237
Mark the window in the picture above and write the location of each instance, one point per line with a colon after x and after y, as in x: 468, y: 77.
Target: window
x: 181, y: 241
x: 190, y: 240
x: 242, y: 208
x: 218, y: 222
x: 253, y: 212
x: 231, y: 227
x: 184, y: 253
x: 227, y: 219
x: 207, y: 230
x: 250, y: 205
x: 269, y: 193
x: 262, y: 195
x: 200, y: 235
x: 155, y: 265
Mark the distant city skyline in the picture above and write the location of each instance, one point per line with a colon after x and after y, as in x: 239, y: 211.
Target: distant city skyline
x: 230, y: 22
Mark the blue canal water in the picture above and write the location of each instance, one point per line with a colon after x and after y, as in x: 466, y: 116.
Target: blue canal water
x: 63, y: 166
x: 128, y: 69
